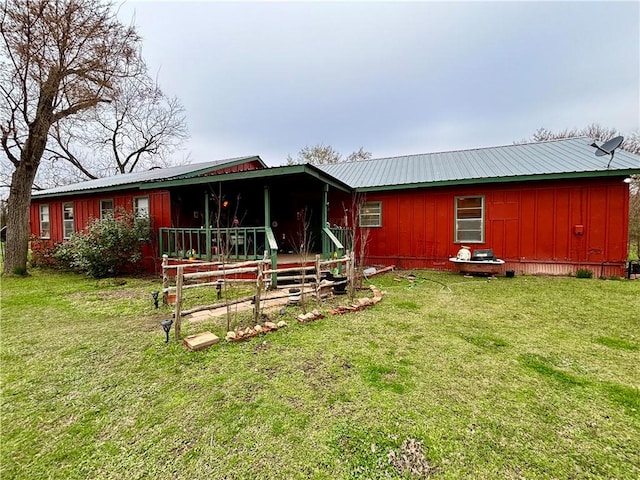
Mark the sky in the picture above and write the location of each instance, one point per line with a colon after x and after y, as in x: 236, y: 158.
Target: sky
x: 396, y: 78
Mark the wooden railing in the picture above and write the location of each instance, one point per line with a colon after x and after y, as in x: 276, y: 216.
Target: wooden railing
x: 240, y: 243
x: 335, y: 241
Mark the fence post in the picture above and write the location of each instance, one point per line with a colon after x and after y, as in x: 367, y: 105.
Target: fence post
x: 274, y: 266
x: 352, y: 269
x: 256, y: 303
x: 207, y: 226
x: 318, y: 277
x: 178, y: 313
x: 165, y: 278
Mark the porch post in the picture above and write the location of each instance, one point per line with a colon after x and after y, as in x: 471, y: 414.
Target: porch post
x: 267, y: 207
x: 325, y: 206
x: 207, y: 227
x: 267, y: 227
x: 325, y: 203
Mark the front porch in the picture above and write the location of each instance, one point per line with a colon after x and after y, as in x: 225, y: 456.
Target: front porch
x: 245, y: 243
x: 240, y: 216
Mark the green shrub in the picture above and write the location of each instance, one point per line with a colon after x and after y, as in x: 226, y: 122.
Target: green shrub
x: 19, y: 271
x: 584, y: 273
x: 107, y: 246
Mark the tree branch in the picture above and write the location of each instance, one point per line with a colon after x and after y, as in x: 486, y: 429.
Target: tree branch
x: 78, y: 107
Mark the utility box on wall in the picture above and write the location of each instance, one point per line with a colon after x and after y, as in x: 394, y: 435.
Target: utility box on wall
x: 578, y: 229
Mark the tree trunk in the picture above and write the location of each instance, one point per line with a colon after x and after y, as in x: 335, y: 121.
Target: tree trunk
x: 22, y: 182
x: 18, y: 219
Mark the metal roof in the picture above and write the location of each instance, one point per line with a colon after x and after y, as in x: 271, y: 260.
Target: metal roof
x: 132, y: 180
x: 566, y: 158
x: 554, y: 159
x: 286, y: 172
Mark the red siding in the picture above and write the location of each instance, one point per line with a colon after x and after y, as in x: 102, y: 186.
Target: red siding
x: 532, y: 226
x: 549, y: 227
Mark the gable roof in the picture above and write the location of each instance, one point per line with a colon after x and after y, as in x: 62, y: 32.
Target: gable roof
x: 136, y: 179
x: 288, y: 172
x: 566, y: 158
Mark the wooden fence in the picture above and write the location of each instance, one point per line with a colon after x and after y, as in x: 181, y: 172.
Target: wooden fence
x: 260, y: 273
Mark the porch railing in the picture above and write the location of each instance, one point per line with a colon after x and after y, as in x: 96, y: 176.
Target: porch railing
x: 240, y: 243
x: 334, y: 241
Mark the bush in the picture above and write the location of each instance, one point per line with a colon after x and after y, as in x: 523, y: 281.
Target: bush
x: 42, y: 252
x: 107, y: 246
x: 584, y: 273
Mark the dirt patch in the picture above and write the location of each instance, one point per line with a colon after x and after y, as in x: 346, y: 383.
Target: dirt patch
x: 410, y: 460
x: 128, y: 294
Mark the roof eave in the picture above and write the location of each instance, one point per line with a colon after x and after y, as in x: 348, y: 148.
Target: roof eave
x: 511, y: 179
x: 87, y: 191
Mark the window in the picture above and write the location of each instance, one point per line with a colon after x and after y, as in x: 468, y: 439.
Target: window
x: 68, y: 225
x: 106, y: 208
x: 469, y: 219
x: 370, y: 214
x: 141, y: 207
x: 45, y: 229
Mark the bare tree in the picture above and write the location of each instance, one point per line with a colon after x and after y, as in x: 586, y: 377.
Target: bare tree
x: 358, y: 155
x: 138, y: 130
x: 57, y: 58
x: 358, y: 238
x: 594, y: 131
x: 302, y: 244
x: 321, y: 154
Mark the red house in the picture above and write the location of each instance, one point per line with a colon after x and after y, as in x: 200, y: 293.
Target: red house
x: 550, y: 207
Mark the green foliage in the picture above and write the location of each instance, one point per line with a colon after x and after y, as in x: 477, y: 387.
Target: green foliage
x: 107, y: 246
x: 584, y: 273
x: 19, y: 271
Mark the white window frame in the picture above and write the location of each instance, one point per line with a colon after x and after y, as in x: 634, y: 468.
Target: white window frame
x: 104, y: 211
x: 68, y: 224
x: 370, y: 214
x: 458, y: 222
x: 45, y: 219
x: 137, y: 210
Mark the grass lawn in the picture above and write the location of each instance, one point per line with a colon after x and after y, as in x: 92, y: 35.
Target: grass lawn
x: 512, y: 378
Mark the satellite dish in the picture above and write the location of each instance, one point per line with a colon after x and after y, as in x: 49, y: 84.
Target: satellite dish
x: 608, y: 147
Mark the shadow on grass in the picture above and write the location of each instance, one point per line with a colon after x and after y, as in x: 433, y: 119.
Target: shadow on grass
x: 627, y: 397
x: 618, y: 343
x: 485, y: 341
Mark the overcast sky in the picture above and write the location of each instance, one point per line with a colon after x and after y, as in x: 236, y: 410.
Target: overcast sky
x: 268, y: 78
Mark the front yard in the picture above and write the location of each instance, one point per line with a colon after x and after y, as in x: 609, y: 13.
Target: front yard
x: 447, y: 377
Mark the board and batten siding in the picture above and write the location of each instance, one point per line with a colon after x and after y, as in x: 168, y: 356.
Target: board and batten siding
x: 87, y: 207
x: 543, y: 227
